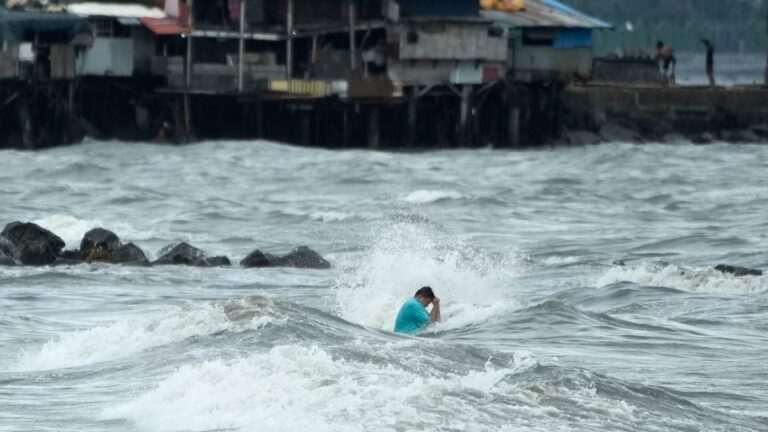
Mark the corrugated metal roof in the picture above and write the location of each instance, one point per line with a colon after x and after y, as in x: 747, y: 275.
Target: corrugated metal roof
x: 115, y: 10
x: 545, y: 13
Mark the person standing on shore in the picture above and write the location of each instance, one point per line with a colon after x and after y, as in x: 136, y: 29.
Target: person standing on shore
x: 666, y: 56
x: 710, y: 61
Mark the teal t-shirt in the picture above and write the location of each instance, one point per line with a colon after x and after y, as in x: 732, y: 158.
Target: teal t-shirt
x: 412, y: 317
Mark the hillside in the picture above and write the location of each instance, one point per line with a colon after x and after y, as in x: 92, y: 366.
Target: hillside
x: 733, y: 25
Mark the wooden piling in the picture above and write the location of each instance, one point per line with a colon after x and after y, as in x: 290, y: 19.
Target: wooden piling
x: 289, y: 41
x: 374, y: 137
x: 413, y: 97
x: 466, y: 100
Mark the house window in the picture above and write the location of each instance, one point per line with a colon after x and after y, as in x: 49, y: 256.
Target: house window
x: 412, y: 37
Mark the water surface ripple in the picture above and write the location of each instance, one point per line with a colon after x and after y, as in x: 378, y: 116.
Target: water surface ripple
x: 541, y: 331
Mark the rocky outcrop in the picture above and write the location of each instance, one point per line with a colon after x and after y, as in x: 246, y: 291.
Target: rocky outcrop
x: 186, y: 254
x: 31, y: 244
x: 101, y: 245
x: 738, y: 271
x: 98, y: 244
x: 255, y: 259
x: 302, y: 257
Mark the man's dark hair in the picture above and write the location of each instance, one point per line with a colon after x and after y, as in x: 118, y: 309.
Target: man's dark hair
x: 659, y: 44
x: 425, y: 292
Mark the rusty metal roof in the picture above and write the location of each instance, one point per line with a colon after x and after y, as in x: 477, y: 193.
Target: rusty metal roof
x: 546, y: 13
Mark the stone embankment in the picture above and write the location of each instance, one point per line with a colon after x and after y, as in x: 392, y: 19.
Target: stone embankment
x: 596, y: 114
x: 27, y: 244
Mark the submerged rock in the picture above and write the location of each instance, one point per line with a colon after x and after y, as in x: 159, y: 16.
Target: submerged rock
x: 32, y: 245
x: 302, y: 257
x: 255, y: 259
x: 186, y: 254
x: 738, y: 271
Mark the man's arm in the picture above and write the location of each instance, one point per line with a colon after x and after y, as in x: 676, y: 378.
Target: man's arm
x: 434, y: 315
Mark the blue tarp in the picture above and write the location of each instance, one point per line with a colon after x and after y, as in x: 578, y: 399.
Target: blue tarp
x: 24, y: 26
x: 439, y: 8
x: 573, y: 38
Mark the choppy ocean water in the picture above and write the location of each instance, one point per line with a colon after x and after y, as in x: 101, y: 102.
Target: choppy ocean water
x: 541, y: 331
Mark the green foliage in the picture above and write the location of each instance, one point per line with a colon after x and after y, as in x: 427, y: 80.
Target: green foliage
x: 732, y: 25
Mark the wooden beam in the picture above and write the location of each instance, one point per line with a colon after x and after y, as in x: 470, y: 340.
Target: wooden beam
x: 466, y: 97
x: 289, y: 41
x: 352, y: 43
x: 241, y: 48
x: 189, y: 44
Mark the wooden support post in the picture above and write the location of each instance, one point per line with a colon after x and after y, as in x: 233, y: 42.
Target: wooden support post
x: 241, y: 48
x: 306, y: 124
x: 71, y: 99
x: 187, y: 117
x: 346, y: 131
x: 289, y: 41
x: 259, y: 119
x: 413, y: 97
x: 373, y: 128
x: 352, y: 43
x: 313, y: 56
x: 189, y: 63
x: 25, y: 120
x: 514, y: 125
x: 466, y: 99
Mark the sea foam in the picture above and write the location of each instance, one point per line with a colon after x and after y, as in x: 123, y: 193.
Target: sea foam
x: 129, y: 336
x: 703, y: 280
x: 294, y: 388
x: 473, y: 285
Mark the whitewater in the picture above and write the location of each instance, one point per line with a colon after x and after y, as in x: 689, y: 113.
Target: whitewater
x: 578, y: 290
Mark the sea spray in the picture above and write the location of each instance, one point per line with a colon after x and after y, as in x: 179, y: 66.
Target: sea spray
x: 699, y: 280
x: 474, y: 285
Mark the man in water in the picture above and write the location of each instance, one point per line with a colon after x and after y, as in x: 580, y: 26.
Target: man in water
x: 710, y: 61
x: 413, y: 316
x: 666, y: 56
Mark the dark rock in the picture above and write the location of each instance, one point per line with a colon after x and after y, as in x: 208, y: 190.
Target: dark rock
x: 219, y: 261
x: 255, y: 259
x: 581, y: 138
x: 705, y: 138
x: 612, y: 132
x: 748, y: 136
x: 32, y: 245
x: 71, y: 255
x: 130, y: 254
x: 181, y: 254
x: 761, y: 130
x: 619, y: 263
x: 738, y: 271
x: 6, y: 253
x: 98, y: 244
x: 302, y: 257
x: 185, y: 254
x: 6, y: 259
